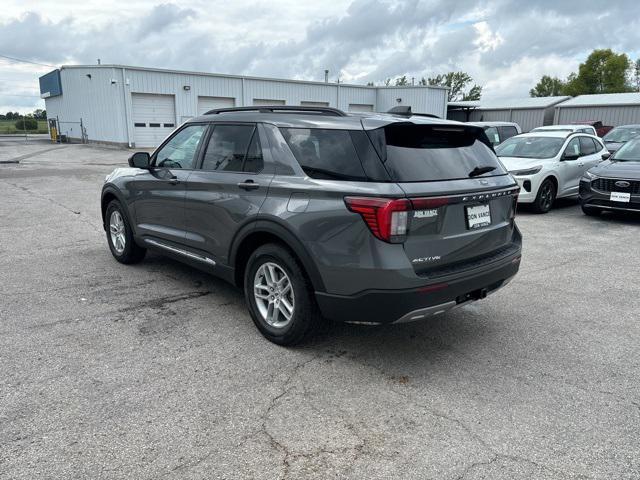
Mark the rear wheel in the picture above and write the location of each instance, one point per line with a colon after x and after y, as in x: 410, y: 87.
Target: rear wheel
x: 591, y: 211
x: 279, y: 296
x: 545, y: 197
x: 120, y: 236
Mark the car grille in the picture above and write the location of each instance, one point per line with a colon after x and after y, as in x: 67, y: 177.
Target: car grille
x: 609, y: 185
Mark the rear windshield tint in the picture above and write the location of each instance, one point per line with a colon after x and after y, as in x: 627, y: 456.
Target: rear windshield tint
x: 325, y: 154
x: 419, y: 153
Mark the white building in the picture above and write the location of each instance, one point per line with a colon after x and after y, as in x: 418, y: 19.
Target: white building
x: 610, y: 108
x: 528, y: 112
x: 135, y: 106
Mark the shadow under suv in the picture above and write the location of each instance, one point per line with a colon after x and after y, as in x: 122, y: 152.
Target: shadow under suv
x: 318, y: 214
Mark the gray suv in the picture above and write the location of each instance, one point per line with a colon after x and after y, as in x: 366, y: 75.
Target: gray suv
x: 321, y: 215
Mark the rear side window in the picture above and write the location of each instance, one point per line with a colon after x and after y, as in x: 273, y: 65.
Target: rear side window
x: 233, y: 148
x: 419, y: 153
x: 493, y: 135
x: 325, y: 154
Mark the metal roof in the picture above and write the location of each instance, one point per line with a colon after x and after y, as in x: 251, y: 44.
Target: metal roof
x: 510, y: 104
x: 603, y: 100
x: 268, y: 79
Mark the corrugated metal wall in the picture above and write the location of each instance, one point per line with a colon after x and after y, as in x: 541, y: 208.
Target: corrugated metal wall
x: 528, y: 119
x: 420, y: 99
x: 608, y: 115
x: 103, y: 100
x: 95, y: 100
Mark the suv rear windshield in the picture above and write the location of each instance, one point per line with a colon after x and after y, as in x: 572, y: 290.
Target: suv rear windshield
x: 325, y: 154
x: 420, y: 153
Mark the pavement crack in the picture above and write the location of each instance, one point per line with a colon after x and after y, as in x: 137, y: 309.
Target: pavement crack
x: 54, y: 202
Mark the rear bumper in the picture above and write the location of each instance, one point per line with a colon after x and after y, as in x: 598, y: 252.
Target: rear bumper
x: 398, y: 306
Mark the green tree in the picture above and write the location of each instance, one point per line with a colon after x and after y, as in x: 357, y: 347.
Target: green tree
x: 27, y: 123
x: 547, y: 87
x: 604, y: 71
x: 457, y: 83
x: 636, y: 75
x: 39, y: 114
x: 402, y: 81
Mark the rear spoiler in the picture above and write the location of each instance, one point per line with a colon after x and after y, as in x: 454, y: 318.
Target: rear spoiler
x: 405, y: 111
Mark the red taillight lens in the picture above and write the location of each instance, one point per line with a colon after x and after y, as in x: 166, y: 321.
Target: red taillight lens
x: 386, y: 218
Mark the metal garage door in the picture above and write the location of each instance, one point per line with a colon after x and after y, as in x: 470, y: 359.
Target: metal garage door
x: 154, y: 117
x: 360, y: 107
x: 267, y: 102
x: 209, y: 103
x: 314, y: 104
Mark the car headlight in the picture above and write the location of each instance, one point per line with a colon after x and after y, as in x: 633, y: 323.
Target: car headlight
x: 589, y: 176
x: 528, y: 171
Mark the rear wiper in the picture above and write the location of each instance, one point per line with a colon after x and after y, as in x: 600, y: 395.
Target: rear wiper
x: 480, y: 170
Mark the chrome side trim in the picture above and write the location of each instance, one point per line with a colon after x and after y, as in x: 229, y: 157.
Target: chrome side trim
x: 180, y: 251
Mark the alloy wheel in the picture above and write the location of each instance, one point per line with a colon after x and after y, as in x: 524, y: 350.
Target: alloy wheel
x: 274, y: 295
x: 117, y: 232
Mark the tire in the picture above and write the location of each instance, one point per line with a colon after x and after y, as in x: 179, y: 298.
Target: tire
x: 545, y: 197
x: 118, y: 232
x: 591, y: 211
x: 269, y: 311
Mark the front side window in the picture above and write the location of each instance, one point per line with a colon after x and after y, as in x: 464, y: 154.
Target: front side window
x: 180, y: 151
x: 587, y: 146
x: 233, y: 148
x: 573, y: 147
x: 530, y: 147
x: 492, y: 134
x: 325, y: 154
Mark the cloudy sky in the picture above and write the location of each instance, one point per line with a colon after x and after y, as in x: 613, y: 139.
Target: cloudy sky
x: 506, y: 45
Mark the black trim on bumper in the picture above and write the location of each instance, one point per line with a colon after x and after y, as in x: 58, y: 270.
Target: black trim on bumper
x: 388, y: 306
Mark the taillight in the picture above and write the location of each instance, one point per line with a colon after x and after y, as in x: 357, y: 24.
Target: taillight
x: 386, y: 218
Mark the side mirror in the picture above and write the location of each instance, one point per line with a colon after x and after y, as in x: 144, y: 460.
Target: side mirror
x: 140, y: 160
x: 606, y: 155
x: 570, y: 156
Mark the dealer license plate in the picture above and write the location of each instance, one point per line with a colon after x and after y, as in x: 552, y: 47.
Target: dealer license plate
x: 620, y: 197
x: 478, y: 216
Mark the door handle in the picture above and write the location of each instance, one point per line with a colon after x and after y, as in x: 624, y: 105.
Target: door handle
x: 581, y: 164
x: 249, y: 185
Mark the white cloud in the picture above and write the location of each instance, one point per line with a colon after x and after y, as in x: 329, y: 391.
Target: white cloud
x: 506, y: 45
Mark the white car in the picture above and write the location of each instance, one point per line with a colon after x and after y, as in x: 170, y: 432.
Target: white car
x: 567, y: 129
x: 548, y: 165
x: 498, y: 132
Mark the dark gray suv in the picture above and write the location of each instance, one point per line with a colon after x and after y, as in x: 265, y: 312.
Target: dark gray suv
x: 318, y: 214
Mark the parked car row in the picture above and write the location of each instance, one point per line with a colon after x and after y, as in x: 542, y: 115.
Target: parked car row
x: 550, y: 163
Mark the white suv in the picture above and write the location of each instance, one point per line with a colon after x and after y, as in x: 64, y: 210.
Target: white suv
x: 588, y: 129
x: 548, y: 165
x: 498, y: 132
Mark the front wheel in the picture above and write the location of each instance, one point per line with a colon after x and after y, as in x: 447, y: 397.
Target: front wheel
x: 545, y: 197
x: 279, y: 297
x: 120, y: 236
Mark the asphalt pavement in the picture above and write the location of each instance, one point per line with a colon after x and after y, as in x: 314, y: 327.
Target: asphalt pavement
x: 156, y: 370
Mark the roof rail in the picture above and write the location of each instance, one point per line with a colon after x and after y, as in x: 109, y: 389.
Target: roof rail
x: 281, y: 109
x: 405, y: 111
